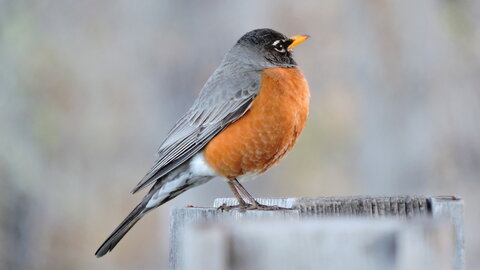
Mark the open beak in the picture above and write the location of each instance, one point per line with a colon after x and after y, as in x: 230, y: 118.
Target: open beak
x: 297, y: 40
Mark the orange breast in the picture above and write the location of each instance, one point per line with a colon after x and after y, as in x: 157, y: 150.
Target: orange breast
x: 269, y: 129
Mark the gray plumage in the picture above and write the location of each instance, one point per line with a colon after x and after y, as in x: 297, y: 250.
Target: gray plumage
x: 181, y: 172
x: 225, y: 97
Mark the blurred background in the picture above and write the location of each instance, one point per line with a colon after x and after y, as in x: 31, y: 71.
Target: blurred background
x: 89, y: 89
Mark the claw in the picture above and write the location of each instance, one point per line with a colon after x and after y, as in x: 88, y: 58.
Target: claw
x: 264, y: 207
x: 247, y: 206
x: 240, y: 207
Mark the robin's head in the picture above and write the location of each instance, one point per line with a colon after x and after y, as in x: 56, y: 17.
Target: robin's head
x: 268, y: 47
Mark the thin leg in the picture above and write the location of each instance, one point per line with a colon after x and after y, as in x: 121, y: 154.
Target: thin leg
x: 245, y: 193
x: 254, y: 204
x: 235, y: 192
x: 241, y: 206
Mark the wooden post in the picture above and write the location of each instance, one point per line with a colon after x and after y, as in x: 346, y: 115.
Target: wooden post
x: 219, y: 226
x: 452, y: 208
x: 338, y: 243
x: 186, y: 217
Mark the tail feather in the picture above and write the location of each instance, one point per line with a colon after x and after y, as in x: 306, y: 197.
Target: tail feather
x: 121, y: 230
x: 177, y: 182
x: 135, y: 216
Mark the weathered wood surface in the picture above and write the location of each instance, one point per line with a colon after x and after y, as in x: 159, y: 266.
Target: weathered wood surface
x: 185, y: 217
x: 400, y: 207
x: 452, y: 208
x: 338, y: 243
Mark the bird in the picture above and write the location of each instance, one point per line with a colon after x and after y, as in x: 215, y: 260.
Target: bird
x: 248, y: 115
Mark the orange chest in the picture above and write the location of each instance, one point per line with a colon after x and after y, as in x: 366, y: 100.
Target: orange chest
x: 283, y: 99
x: 261, y: 137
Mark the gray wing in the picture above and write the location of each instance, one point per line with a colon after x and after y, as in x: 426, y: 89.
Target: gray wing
x: 223, y: 99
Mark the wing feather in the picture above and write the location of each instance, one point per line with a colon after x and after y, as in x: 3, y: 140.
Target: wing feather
x: 223, y: 99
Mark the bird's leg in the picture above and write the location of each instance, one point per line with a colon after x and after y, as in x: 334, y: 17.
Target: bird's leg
x: 245, y: 193
x: 235, y: 192
x: 242, y: 205
x: 255, y: 205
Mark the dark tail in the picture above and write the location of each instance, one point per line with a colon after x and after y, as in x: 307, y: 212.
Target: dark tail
x: 142, y: 208
x: 122, y: 229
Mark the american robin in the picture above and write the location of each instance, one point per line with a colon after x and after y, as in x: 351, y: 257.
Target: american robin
x: 247, y: 116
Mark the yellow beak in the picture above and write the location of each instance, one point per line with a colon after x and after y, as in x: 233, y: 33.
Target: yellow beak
x: 297, y: 40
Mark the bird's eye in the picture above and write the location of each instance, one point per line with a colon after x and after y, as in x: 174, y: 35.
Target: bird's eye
x: 278, y: 46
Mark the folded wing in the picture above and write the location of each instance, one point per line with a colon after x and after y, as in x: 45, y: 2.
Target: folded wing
x: 223, y: 99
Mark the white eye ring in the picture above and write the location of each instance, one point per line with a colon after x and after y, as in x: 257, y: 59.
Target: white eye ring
x: 281, y: 49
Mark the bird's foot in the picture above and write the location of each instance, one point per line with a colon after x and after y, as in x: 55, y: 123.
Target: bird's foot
x: 263, y: 207
x: 242, y: 207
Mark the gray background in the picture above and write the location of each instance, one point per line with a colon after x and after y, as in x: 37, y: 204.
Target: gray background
x: 89, y: 89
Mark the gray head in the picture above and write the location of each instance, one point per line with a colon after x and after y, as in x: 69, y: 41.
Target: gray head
x: 264, y: 48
